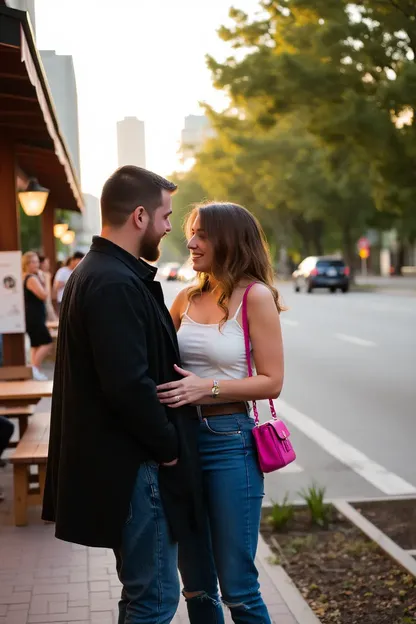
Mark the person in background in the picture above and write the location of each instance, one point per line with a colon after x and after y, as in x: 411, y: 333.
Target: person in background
x: 63, y: 274
x: 6, y: 432
x: 35, y: 295
x: 46, y: 279
x: 58, y: 266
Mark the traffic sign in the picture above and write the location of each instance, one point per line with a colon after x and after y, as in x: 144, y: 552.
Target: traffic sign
x: 363, y: 243
x: 364, y: 253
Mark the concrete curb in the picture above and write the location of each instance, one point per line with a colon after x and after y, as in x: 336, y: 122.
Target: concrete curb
x: 285, y: 586
x: 394, y: 551
x: 353, y: 500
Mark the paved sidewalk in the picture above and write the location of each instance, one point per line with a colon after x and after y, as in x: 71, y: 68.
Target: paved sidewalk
x: 44, y: 580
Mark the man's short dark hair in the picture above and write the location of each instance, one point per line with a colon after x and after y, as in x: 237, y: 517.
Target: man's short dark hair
x: 129, y: 187
x: 78, y: 255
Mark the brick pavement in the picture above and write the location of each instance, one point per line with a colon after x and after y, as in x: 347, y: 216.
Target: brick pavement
x: 44, y: 580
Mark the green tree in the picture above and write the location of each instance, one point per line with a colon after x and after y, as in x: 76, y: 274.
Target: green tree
x: 189, y: 193
x: 348, y: 71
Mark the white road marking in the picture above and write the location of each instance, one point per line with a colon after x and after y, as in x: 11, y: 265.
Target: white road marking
x: 289, y: 322
x: 354, y: 340
x: 374, y: 473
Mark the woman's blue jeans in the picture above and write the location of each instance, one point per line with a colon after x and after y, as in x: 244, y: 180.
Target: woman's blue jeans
x: 225, y: 550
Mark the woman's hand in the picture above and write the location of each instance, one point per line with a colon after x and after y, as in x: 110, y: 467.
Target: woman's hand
x: 190, y: 389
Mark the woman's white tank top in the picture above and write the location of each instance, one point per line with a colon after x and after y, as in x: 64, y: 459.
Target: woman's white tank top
x: 213, y: 352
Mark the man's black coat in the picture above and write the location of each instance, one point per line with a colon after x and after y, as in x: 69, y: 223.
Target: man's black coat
x: 116, y: 343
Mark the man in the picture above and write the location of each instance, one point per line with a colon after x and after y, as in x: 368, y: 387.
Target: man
x: 114, y: 449
x: 6, y: 432
x: 63, y: 274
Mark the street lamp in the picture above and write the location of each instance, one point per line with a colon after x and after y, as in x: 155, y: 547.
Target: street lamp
x: 59, y: 229
x: 34, y: 198
x: 68, y: 237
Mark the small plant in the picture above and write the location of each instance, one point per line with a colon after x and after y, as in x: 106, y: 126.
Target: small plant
x: 297, y: 544
x: 321, y: 512
x: 281, y: 514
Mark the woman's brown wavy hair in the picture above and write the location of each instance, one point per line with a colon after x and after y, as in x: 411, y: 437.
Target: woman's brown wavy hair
x: 241, y: 251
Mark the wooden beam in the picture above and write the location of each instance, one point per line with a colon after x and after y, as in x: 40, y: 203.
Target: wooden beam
x: 20, y: 126
x: 20, y: 113
x: 13, y: 344
x: 9, y: 76
x: 13, y: 96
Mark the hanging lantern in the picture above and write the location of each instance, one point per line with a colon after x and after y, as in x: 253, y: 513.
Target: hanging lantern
x: 34, y: 198
x: 68, y: 237
x: 59, y: 229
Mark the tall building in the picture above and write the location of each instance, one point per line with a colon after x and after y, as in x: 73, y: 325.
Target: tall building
x: 91, y: 222
x: 131, y: 142
x: 61, y: 78
x: 197, y: 129
x: 25, y: 5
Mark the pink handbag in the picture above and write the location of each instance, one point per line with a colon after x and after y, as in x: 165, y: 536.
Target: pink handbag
x: 274, y: 449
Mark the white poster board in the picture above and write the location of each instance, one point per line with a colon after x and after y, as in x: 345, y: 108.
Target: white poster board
x: 12, y: 307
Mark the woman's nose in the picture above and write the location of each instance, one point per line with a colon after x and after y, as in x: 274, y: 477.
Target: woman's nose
x: 191, y: 243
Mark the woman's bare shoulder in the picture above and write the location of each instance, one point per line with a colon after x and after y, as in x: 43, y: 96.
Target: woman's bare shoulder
x: 260, y: 294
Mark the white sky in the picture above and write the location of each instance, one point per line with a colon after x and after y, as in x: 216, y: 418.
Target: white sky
x: 144, y: 58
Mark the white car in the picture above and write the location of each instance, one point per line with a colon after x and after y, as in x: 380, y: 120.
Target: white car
x: 186, y: 273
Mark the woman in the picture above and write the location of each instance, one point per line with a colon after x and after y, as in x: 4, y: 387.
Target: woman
x: 228, y: 252
x: 35, y: 294
x: 45, y: 278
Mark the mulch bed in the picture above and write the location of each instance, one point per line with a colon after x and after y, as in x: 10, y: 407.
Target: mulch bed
x: 396, y: 518
x: 345, y: 578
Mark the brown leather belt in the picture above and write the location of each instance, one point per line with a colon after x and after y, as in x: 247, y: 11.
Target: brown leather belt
x: 223, y: 409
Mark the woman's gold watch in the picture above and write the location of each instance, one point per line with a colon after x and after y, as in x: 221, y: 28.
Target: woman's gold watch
x: 215, y: 390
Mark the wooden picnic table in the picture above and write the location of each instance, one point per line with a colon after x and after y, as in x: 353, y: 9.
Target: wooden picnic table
x: 22, y: 393
x: 18, y: 400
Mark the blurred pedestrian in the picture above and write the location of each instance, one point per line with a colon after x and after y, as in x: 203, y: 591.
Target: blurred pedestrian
x: 45, y: 276
x: 63, y: 274
x: 35, y: 295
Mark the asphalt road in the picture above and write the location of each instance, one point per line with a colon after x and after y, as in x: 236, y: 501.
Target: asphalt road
x: 349, y: 397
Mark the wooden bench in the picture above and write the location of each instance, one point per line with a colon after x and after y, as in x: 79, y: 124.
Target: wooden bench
x: 32, y: 450
x: 20, y: 413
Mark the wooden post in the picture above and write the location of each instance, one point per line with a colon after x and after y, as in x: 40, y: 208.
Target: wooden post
x: 21, y: 486
x: 48, y: 239
x: 13, y: 344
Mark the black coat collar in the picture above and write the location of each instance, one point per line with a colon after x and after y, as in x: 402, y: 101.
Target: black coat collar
x: 140, y: 267
x: 145, y: 272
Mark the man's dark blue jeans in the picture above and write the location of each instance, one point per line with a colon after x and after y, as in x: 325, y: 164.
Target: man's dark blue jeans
x: 147, y: 559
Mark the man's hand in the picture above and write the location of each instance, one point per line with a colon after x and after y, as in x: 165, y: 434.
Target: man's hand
x: 170, y: 464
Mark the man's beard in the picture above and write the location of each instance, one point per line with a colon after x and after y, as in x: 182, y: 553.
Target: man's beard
x: 149, y: 245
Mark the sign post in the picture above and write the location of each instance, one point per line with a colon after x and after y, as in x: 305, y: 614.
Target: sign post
x: 363, y: 246
x: 12, y: 309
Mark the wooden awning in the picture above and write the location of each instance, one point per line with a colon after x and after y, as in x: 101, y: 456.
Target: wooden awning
x: 27, y: 114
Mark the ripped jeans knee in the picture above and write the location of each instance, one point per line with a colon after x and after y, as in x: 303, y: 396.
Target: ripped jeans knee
x: 235, y: 605
x: 200, y: 596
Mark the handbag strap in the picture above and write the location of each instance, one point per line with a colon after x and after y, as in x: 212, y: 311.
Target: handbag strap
x: 248, y: 354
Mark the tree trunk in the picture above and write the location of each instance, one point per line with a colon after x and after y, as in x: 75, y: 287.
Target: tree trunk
x: 302, y: 229
x: 317, y: 231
